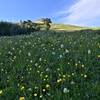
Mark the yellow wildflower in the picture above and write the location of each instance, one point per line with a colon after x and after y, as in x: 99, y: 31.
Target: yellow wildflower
x: 22, y: 98
x: 39, y: 66
x: 64, y: 76
x: 1, y: 91
x: 98, y: 56
x: 30, y: 69
x: 46, y: 76
x: 22, y: 88
x: 85, y: 76
x: 35, y: 94
x: 76, y: 64
x: 47, y: 85
x: 59, y: 80
x: 82, y: 65
x: 44, y: 79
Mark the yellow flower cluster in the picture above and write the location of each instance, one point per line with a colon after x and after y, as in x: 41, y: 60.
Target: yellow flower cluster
x: 22, y: 88
x: 98, y: 56
x: 1, y: 92
x: 47, y: 86
x: 22, y: 98
x: 59, y: 80
x: 35, y: 94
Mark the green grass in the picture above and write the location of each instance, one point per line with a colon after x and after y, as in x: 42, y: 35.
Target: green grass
x: 71, y: 27
x: 50, y: 66
x: 96, y: 28
x: 66, y: 27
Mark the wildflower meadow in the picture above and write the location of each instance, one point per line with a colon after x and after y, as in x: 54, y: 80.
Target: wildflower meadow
x: 50, y: 65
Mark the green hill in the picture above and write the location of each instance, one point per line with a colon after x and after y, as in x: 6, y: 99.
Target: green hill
x: 50, y: 65
x: 55, y: 26
x: 65, y: 27
x: 71, y: 27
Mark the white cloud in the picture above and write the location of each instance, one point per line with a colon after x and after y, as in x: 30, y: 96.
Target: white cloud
x: 83, y: 12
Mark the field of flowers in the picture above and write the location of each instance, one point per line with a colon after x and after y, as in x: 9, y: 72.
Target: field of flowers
x: 50, y: 66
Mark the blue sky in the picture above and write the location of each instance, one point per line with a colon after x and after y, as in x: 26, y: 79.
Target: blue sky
x: 78, y: 12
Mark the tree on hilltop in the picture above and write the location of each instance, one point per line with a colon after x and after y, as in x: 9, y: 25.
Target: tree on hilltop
x: 46, y: 22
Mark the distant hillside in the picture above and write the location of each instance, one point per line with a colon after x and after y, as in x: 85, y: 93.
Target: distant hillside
x: 71, y: 27
x: 65, y: 27
x: 55, y: 26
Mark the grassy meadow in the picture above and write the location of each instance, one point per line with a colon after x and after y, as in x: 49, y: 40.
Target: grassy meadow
x: 50, y: 65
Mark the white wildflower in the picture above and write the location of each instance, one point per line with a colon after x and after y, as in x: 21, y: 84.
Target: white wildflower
x: 67, y: 51
x: 47, y: 69
x: 53, y: 48
x: 89, y: 51
x: 36, y: 64
x: 41, y: 96
x: 31, y: 61
x: 30, y: 89
x: 61, y: 45
x: 60, y: 56
x: 53, y: 53
x: 72, y: 82
x: 40, y: 59
x: 13, y: 48
x: 65, y: 90
x: 29, y: 54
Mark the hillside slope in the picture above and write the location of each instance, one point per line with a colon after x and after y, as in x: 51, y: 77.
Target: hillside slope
x: 65, y: 27
x: 71, y: 27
